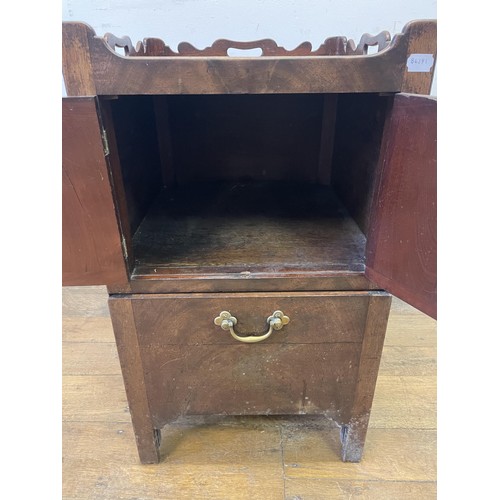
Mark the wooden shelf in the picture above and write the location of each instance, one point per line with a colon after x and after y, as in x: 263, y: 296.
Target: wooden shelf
x: 248, y: 228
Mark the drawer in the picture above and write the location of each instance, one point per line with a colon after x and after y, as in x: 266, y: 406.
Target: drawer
x: 188, y: 319
x: 192, y: 367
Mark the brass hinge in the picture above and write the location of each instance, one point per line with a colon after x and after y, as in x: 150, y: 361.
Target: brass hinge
x: 105, y: 144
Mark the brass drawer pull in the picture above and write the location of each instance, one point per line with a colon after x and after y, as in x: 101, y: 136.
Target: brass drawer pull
x: 276, y: 322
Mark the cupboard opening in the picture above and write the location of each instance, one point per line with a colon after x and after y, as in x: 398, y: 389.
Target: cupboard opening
x: 240, y: 185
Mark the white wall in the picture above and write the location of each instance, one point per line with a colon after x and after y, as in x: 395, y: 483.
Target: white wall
x: 288, y: 22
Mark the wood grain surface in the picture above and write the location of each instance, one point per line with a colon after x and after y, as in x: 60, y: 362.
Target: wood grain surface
x: 76, y: 60
x: 242, y: 457
x: 422, y: 39
x: 133, y: 370
x: 402, y: 238
x: 315, y: 318
x: 172, y: 281
x: 354, y: 430
x: 91, y: 250
x: 245, y: 227
x: 111, y: 74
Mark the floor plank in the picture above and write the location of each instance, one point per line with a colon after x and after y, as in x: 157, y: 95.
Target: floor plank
x: 404, y: 403
x: 390, y: 455
x: 87, y: 358
x: 335, y: 489
x: 84, y: 301
x: 242, y: 461
x: 94, y: 398
x: 403, y: 360
x: 87, y: 329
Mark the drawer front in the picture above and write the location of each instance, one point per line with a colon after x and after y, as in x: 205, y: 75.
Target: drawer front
x: 251, y: 379
x: 322, y: 317
x: 190, y: 366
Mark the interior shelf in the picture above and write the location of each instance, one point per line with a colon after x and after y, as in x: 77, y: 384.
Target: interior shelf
x: 247, y: 227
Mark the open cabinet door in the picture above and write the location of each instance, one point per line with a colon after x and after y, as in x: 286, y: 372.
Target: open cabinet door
x: 401, y: 242
x: 91, y: 244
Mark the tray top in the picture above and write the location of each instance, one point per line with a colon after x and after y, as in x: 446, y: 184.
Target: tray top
x: 92, y: 66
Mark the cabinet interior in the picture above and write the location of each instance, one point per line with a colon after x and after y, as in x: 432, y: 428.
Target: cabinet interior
x: 243, y: 184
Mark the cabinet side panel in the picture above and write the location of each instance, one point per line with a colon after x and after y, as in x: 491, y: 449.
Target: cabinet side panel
x: 358, y: 136
x: 137, y: 147
x: 401, y: 242
x: 92, y: 252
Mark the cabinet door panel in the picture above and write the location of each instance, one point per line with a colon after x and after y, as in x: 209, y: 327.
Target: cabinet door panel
x: 401, y: 243
x: 91, y: 243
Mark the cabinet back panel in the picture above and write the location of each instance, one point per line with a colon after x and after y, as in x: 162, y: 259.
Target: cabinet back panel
x: 246, y: 137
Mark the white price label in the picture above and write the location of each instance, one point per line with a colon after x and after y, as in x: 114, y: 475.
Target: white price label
x: 420, y: 63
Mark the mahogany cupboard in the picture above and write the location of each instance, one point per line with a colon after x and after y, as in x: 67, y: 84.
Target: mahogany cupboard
x: 250, y: 217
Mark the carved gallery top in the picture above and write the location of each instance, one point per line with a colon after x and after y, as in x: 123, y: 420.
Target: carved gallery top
x: 333, y: 46
x: 403, y: 64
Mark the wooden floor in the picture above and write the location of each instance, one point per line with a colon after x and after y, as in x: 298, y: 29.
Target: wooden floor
x: 245, y: 458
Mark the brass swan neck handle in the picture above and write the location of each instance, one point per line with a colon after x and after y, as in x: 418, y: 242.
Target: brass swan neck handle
x: 227, y: 322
